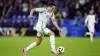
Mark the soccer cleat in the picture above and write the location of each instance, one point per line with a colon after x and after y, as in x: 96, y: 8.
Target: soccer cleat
x: 24, y: 52
x: 54, y: 52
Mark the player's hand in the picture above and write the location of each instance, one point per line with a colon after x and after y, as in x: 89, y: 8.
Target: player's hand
x: 59, y: 29
x: 30, y: 16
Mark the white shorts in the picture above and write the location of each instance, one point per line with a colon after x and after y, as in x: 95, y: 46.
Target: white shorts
x: 91, y: 28
x: 45, y: 30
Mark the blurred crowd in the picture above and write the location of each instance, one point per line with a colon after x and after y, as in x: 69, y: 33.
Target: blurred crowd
x: 64, y: 8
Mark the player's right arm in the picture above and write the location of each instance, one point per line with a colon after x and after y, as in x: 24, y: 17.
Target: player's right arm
x: 36, y: 10
x: 31, y: 12
x: 86, y: 21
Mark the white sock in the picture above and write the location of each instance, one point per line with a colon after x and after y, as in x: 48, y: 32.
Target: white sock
x: 91, y: 37
x: 52, y: 41
x: 31, y: 46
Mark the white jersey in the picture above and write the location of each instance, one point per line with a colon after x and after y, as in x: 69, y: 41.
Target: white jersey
x: 90, y: 20
x: 43, y: 18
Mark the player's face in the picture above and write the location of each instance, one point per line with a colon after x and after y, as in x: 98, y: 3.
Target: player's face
x: 91, y: 11
x: 52, y: 8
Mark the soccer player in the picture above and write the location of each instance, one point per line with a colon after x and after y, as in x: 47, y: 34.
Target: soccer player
x: 90, y: 23
x: 44, y: 15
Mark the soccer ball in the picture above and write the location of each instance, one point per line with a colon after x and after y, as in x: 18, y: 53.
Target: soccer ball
x: 61, y: 49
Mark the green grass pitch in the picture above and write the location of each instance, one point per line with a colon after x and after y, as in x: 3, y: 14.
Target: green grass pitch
x: 12, y: 46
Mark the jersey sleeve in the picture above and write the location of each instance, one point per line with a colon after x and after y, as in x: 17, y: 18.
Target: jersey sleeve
x: 40, y: 9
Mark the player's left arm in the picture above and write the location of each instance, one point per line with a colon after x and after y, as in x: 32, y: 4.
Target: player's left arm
x: 96, y: 19
x: 54, y: 22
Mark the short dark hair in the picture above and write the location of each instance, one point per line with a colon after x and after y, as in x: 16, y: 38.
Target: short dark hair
x: 51, y: 4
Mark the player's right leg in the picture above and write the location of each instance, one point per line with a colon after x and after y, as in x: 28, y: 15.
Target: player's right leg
x: 91, y: 30
x: 32, y: 45
x: 91, y: 36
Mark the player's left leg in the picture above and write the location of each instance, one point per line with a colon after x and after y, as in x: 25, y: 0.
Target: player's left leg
x: 87, y: 33
x: 52, y: 40
x: 32, y: 45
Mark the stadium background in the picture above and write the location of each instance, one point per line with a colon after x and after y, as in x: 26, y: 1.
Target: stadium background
x: 70, y: 14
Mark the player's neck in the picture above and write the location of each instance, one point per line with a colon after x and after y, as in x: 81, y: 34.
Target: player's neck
x: 91, y: 14
x: 48, y: 10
